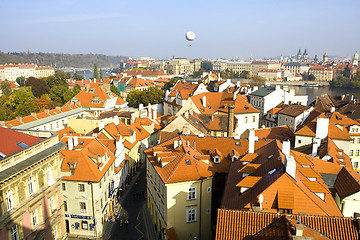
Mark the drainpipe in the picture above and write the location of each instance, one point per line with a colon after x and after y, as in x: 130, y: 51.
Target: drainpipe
x: 92, y: 200
x: 200, y: 208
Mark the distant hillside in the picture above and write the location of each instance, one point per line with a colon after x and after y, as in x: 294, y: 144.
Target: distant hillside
x: 60, y: 60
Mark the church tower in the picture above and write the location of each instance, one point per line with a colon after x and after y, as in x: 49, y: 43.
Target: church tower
x: 355, y: 62
x: 325, y: 57
x: 305, y: 56
x: 298, y: 55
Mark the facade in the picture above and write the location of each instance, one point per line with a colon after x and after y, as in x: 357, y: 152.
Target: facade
x: 270, y: 74
x: 12, y: 71
x: 31, y: 197
x: 296, y: 67
x: 234, y: 66
x: 88, y: 170
x: 293, y: 115
x: 321, y: 73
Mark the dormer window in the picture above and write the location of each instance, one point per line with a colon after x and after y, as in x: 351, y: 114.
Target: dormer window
x: 216, y: 159
x: 234, y: 158
x: 92, y: 90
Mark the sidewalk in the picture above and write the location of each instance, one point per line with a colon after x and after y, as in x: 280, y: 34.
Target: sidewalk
x: 118, y: 207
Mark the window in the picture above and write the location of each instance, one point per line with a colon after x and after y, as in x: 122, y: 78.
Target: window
x: 9, y: 200
x: 245, y: 119
x: 192, y: 193
x: 358, y: 140
x: 356, y: 164
x: 56, y: 234
x: 299, y: 141
x: 84, y: 224
x: 35, y: 218
x: 31, y: 185
x: 352, y: 140
x: 49, y: 175
x: 63, y: 187
x: 216, y: 159
x: 52, y: 203
x: 65, y: 206
x: 253, y: 118
x: 14, y: 232
x: 209, y: 189
x: 81, y: 187
x: 351, y: 153
x: 357, y: 152
x: 82, y: 207
x: 234, y: 158
x: 191, y: 215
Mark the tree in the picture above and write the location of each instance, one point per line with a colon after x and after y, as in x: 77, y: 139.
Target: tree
x: 38, y: 86
x: 115, y: 90
x: 206, y: 65
x: 21, y: 81
x: 21, y: 102
x: 96, y: 71
x: 60, y: 94
x: 256, y: 80
x: 133, y: 98
x: 312, y: 77
x: 347, y: 71
x: 78, y: 77
x: 101, y: 74
x: 171, y: 83
x: 42, y: 103
x: 58, y: 79
x: 154, y: 95
x: 76, y: 89
x: 244, y: 74
x: 5, y: 87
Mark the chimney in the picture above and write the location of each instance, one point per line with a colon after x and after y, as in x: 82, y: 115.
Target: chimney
x: 166, y: 95
x: 234, y: 95
x: 70, y: 144
x: 101, y: 125
x: 141, y: 106
x: 286, y: 148
x: 116, y: 120
x: 212, y: 117
x: 204, y: 101
x: 194, y: 145
x: 332, y: 109
x: 322, y: 127
x: 299, y: 228
x: 252, y: 139
x: 154, y: 114
x: 231, y: 121
x: 149, y: 110
x: 76, y: 141
x: 19, y: 118
x: 316, y: 145
x: 186, y: 114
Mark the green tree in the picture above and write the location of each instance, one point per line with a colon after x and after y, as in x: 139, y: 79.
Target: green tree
x: 21, y: 81
x: 101, y: 74
x: 21, y: 102
x: 5, y: 87
x: 78, y: 77
x: 244, y: 74
x: 154, y: 95
x: 206, y: 65
x: 60, y: 94
x: 347, y: 71
x: 76, y: 89
x: 58, y: 79
x: 133, y: 98
x: 38, y: 86
x: 115, y: 90
x: 171, y: 83
x: 96, y: 71
x: 312, y: 77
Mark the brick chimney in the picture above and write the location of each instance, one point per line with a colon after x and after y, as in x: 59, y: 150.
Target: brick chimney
x: 231, y: 121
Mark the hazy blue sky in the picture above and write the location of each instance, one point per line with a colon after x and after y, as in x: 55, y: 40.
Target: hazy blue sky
x: 223, y: 28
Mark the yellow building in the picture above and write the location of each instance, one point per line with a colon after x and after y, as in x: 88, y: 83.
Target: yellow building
x: 321, y: 73
x: 30, y: 190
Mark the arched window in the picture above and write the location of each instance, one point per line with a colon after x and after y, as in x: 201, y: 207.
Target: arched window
x: 31, y: 185
x: 49, y: 175
x: 9, y: 200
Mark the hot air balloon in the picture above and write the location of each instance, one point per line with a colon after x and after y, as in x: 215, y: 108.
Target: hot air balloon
x: 190, y: 36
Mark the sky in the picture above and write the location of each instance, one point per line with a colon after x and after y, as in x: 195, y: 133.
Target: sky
x: 152, y: 28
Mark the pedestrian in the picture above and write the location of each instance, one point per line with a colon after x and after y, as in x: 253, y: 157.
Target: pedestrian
x: 126, y: 223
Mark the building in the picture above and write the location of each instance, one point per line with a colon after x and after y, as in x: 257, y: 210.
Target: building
x: 321, y: 73
x: 261, y: 65
x: 88, y: 170
x: 12, y: 71
x: 296, y: 67
x: 293, y: 115
x: 234, y: 66
x: 270, y: 74
x: 241, y: 225
x: 31, y: 197
x: 224, y: 103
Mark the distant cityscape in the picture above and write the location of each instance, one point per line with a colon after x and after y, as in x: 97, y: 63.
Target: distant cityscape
x: 181, y: 149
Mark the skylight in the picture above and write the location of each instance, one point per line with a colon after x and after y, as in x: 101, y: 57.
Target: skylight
x: 188, y: 162
x: 22, y: 145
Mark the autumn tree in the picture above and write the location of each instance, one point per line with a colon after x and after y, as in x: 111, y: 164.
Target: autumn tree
x: 21, y: 102
x: 58, y: 79
x: 5, y: 87
x: 38, y: 86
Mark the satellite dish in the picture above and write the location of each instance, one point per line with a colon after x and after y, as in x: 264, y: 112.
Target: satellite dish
x: 190, y: 36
